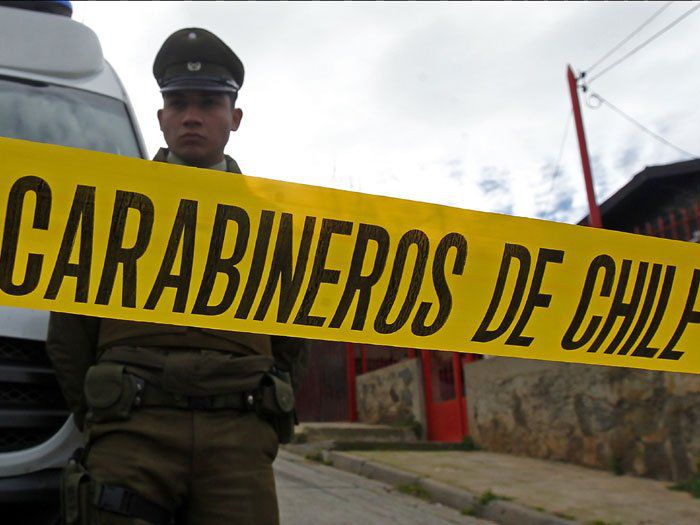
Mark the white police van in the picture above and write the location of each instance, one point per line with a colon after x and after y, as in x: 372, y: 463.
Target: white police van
x: 55, y: 87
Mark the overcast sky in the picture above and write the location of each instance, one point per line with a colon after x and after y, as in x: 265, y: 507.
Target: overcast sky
x: 459, y: 104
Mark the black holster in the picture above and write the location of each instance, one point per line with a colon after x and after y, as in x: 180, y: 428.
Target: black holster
x: 82, y: 498
x: 276, y: 403
x: 74, y: 492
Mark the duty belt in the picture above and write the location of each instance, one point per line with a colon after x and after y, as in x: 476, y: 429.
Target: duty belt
x: 149, y: 395
x: 130, y: 377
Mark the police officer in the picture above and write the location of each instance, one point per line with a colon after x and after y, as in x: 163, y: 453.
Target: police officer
x: 181, y: 423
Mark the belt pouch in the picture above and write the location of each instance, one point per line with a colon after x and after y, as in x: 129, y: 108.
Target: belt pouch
x: 277, y: 395
x: 109, y: 392
x: 277, y: 404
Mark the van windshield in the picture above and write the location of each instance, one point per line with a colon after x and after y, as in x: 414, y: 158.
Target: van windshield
x: 52, y: 114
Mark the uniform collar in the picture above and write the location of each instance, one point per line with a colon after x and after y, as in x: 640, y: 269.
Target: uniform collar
x: 171, y: 158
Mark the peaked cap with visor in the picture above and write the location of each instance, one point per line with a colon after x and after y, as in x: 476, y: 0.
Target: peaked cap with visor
x: 196, y: 59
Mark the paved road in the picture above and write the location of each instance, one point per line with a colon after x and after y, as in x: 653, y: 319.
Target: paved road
x: 313, y: 494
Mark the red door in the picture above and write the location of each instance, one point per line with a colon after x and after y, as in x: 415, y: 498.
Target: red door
x: 445, y: 404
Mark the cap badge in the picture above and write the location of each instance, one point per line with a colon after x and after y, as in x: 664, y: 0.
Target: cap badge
x: 194, y: 66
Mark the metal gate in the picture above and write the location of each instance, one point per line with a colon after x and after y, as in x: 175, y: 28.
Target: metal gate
x: 323, y: 394
x: 328, y: 390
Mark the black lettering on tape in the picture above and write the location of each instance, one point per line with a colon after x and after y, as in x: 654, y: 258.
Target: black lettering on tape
x: 690, y: 315
x: 620, y: 308
x: 601, y: 262
x: 183, y: 232
x: 216, y: 264
x: 411, y: 238
x: 82, y: 214
x: 358, y: 283
x: 451, y: 240
x: 510, y: 252
x: 10, y: 236
x: 281, y: 268
x: 319, y: 273
x: 643, y: 349
x: 262, y: 242
x: 117, y: 254
x: 535, y: 298
x: 645, y: 312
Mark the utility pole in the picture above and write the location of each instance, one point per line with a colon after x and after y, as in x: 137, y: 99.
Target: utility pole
x: 594, y: 212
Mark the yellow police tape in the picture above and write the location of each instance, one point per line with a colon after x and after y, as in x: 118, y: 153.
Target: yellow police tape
x: 110, y: 236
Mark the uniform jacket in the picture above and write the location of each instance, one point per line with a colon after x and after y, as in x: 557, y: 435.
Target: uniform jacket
x: 74, y: 341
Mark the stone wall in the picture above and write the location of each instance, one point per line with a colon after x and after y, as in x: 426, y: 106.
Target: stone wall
x: 633, y: 421
x: 393, y: 396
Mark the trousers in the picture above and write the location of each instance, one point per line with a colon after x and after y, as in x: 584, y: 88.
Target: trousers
x: 207, y: 467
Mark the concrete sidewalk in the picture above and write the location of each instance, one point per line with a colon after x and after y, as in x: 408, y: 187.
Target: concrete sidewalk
x: 514, y: 490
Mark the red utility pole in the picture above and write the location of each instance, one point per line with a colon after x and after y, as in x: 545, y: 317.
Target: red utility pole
x: 594, y: 212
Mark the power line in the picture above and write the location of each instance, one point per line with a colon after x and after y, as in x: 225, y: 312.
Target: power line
x: 630, y: 36
x: 641, y: 126
x: 557, y: 166
x: 646, y: 42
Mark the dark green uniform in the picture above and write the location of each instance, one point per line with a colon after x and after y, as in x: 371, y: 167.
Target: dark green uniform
x: 179, y: 421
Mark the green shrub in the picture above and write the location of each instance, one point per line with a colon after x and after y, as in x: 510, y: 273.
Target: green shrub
x: 691, y: 485
x: 414, y: 489
x: 469, y: 444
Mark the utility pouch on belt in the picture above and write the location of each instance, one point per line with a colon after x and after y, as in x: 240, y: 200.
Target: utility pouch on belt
x: 75, y: 486
x: 277, y: 403
x: 110, y: 392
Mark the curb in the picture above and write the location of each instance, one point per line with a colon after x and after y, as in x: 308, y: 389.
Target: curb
x: 500, y: 511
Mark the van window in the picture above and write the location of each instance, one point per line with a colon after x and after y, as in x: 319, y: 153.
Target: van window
x: 52, y: 114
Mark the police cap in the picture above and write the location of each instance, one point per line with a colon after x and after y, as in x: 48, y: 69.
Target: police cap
x: 194, y: 58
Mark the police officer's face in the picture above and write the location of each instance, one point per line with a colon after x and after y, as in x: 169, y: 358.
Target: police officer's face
x: 196, y: 125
